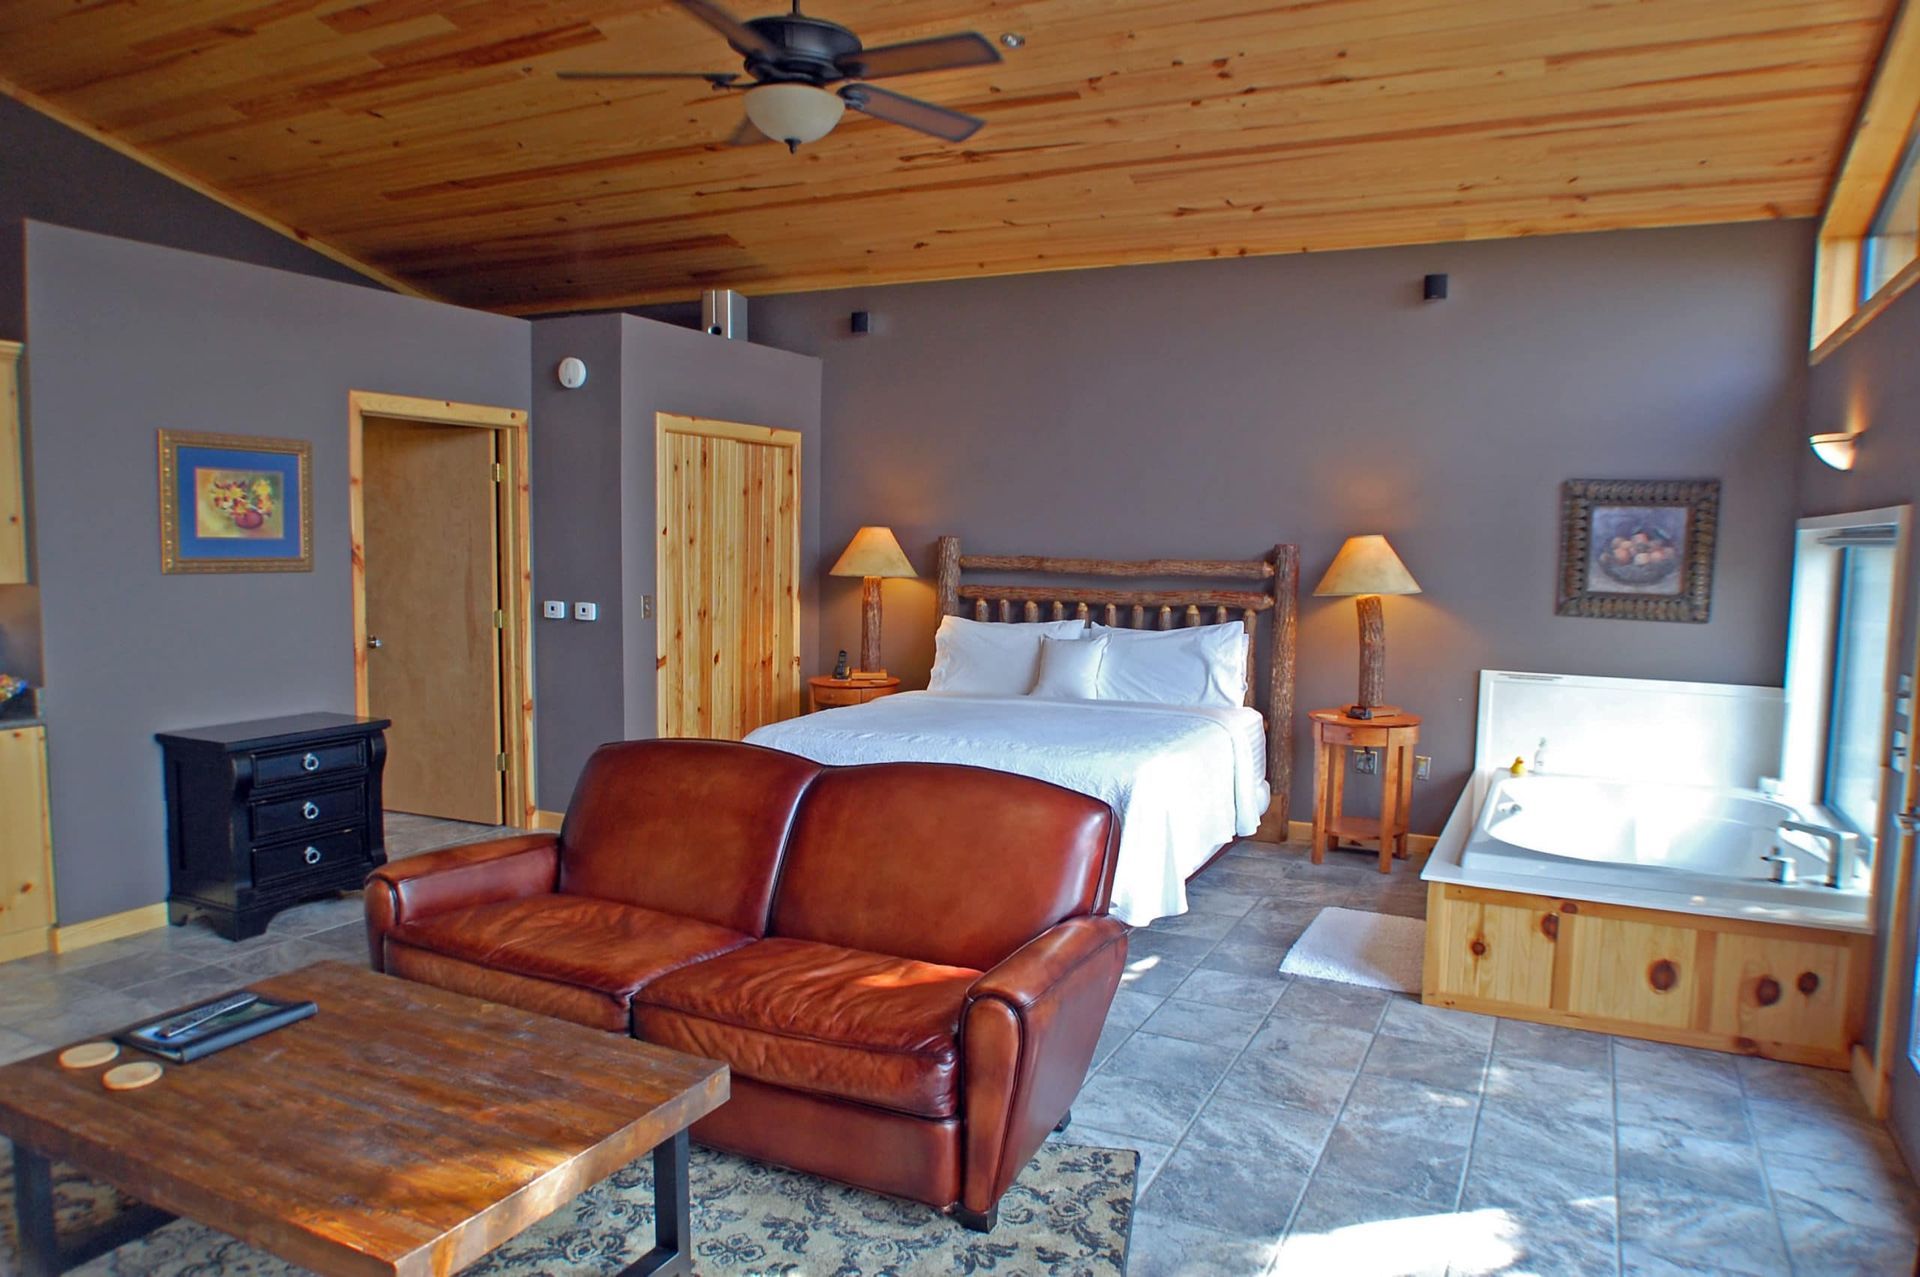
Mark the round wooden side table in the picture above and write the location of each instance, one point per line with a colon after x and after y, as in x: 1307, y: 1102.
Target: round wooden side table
x: 826, y: 692
x: 1394, y: 736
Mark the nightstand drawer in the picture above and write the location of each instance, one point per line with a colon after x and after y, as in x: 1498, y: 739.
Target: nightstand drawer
x: 317, y: 810
x: 321, y: 762
x: 320, y: 855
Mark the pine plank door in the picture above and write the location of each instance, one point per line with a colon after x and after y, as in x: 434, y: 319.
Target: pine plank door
x: 728, y: 504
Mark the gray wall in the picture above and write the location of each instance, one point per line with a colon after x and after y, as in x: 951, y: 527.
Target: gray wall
x: 694, y: 374
x: 50, y: 173
x: 595, y: 540
x: 126, y: 338
x: 1216, y: 408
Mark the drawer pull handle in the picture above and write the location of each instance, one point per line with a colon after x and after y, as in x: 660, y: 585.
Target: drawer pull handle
x: 1663, y: 975
x: 1767, y: 991
x: 310, y: 763
x: 1809, y: 983
x: 312, y: 855
x: 311, y: 810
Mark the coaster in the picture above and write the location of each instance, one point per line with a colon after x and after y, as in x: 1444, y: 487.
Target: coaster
x: 87, y: 1054
x: 131, y: 1077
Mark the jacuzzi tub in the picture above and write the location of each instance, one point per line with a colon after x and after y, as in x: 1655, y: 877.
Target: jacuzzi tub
x: 1692, y: 850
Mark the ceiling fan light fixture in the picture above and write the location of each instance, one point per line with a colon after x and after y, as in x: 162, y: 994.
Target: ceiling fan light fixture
x: 794, y: 113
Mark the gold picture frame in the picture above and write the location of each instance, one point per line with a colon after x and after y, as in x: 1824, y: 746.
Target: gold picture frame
x: 235, y: 503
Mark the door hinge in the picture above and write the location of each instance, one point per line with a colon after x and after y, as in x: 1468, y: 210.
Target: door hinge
x: 499, y: 472
x: 499, y: 620
x: 499, y: 762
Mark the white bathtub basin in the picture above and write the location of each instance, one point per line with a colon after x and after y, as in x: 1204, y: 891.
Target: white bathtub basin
x: 1688, y: 849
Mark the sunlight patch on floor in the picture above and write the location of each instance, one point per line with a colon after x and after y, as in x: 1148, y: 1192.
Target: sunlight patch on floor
x: 1481, y: 1241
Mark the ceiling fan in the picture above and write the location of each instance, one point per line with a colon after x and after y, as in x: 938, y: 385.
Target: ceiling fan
x: 791, y: 59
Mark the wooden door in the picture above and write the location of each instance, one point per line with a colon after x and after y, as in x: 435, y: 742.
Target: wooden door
x: 434, y: 625
x: 729, y: 571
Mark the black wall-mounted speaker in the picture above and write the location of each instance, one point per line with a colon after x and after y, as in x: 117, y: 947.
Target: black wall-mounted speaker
x: 861, y: 322
x: 1434, y: 288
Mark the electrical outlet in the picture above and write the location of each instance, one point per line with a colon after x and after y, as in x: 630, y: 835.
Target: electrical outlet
x: 1366, y: 762
x: 1423, y: 766
x: 554, y: 610
x: 586, y: 611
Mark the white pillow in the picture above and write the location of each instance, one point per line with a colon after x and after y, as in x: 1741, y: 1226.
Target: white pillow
x: 1203, y: 665
x: 992, y: 658
x: 1070, y: 668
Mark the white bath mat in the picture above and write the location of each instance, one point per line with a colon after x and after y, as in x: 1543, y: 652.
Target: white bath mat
x: 1379, y: 950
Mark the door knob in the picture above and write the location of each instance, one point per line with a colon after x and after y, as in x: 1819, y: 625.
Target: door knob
x: 372, y: 641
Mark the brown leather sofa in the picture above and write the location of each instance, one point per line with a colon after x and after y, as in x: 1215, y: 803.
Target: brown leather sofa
x: 906, y: 965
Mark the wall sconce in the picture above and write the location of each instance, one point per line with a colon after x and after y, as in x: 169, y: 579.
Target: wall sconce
x: 1835, y: 450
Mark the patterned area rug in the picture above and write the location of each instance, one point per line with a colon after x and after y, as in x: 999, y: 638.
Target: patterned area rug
x: 1068, y: 1215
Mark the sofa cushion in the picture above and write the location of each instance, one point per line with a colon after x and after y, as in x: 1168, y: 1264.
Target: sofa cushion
x: 819, y: 1018
x: 545, y: 997
x: 689, y: 827
x: 952, y: 865
x: 601, y: 945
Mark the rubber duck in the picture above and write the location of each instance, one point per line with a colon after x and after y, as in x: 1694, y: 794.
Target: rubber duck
x: 1519, y: 767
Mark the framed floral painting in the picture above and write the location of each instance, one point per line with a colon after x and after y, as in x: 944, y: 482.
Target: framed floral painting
x: 235, y: 504
x: 1638, y: 550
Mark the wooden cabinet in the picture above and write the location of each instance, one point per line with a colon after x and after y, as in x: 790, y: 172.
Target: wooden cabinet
x: 264, y: 815
x: 1785, y: 992
x: 26, y: 849
x: 13, y: 500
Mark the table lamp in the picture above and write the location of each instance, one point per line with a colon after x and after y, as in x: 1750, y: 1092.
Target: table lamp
x: 872, y: 554
x: 1366, y: 568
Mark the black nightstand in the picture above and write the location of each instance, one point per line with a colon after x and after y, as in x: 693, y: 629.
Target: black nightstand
x: 264, y: 815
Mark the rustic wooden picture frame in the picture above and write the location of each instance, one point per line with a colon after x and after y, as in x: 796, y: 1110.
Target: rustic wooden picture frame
x: 294, y: 550
x: 1582, y: 499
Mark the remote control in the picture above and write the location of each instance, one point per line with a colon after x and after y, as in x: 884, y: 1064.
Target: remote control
x: 167, y: 1030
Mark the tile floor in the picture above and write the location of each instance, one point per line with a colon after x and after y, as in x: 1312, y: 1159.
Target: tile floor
x: 1304, y: 1127
x: 1300, y: 1126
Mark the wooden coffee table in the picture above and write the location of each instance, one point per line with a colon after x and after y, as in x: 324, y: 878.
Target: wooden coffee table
x: 402, y: 1130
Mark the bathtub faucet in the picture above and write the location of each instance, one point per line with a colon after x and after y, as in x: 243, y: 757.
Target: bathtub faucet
x: 1540, y: 755
x: 1842, y: 845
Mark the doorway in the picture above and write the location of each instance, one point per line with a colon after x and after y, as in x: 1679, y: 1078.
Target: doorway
x: 728, y: 505
x: 438, y: 512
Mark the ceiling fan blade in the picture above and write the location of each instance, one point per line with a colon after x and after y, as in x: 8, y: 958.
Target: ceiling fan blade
x: 718, y: 79
x: 747, y: 135
x: 941, y: 53
x: 897, y: 108
x: 738, y: 34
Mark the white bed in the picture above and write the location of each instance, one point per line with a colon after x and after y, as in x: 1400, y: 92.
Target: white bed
x: 1183, y: 780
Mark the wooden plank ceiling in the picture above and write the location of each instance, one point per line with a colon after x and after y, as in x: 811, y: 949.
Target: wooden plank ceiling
x: 430, y: 140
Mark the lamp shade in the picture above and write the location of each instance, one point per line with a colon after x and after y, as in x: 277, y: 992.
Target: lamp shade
x: 1834, y: 449
x: 794, y: 113
x: 873, y: 552
x: 1366, y: 565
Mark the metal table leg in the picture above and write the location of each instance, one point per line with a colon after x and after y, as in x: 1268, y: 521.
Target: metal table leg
x: 41, y: 1252
x: 672, y: 1253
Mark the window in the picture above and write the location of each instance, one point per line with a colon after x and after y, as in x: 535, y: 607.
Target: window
x: 1894, y: 236
x: 1840, y: 659
x: 1862, y: 640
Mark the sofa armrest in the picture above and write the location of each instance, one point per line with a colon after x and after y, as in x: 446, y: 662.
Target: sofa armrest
x: 1028, y: 1034
x: 457, y: 878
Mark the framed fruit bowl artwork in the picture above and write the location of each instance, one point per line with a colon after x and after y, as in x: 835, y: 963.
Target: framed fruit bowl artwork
x: 1638, y: 550
x: 235, y: 504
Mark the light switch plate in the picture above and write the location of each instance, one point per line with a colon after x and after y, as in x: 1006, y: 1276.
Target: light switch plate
x: 586, y: 611
x: 554, y: 610
x: 1423, y: 767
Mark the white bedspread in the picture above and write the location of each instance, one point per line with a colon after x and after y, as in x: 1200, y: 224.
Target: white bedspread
x: 1184, y: 780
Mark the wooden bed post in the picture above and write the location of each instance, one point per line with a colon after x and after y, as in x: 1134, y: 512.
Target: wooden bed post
x: 949, y: 579
x: 1286, y: 641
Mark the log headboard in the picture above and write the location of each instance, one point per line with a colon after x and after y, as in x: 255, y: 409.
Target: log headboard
x: 1276, y: 594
